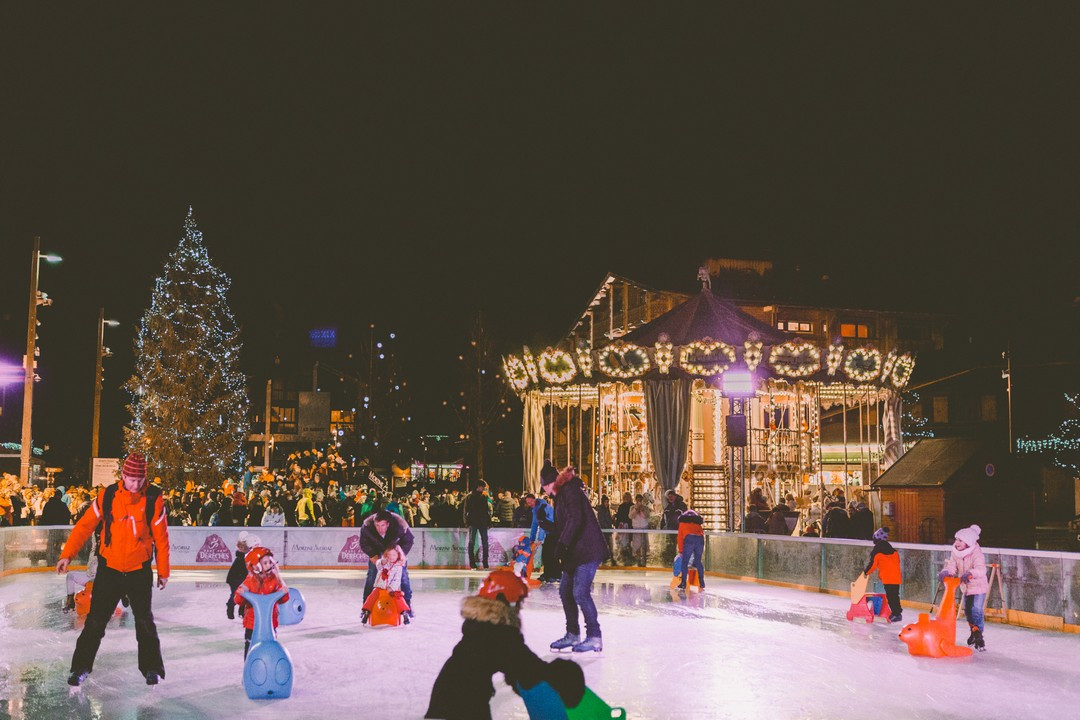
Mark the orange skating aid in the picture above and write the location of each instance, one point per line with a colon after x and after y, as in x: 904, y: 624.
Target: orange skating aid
x: 937, y: 637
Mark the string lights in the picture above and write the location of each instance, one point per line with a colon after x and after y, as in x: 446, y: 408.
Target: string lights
x: 905, y: 365
x: 706, y: 357
x: 556, y: 366
x: 624, y: 360
x: 665, y: 355
x: 752, y: 354
x: 514, y: 370
x: 862, y: 364
x: 530, y: 365
x: 584, y: 360
x: 796, y: 358
x: 834, y: 358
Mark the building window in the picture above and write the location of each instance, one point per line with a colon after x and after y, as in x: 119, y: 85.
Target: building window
x: 989, y: 408
x: 854, y: 330
x: 795, y: 326
x: 941, y: 409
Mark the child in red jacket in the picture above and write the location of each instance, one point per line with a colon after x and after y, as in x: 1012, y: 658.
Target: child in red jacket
x: 886, y: 560
x: 691, y: 544
x: 263, y: 578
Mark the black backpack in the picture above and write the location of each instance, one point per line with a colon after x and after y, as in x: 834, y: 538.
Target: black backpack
x: 153, y: 492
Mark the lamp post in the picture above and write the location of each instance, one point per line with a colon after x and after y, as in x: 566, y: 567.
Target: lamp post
x: 36, y: 298
x: 99, y: 371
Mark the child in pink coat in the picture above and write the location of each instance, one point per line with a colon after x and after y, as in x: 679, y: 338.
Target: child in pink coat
x: 966, y: 562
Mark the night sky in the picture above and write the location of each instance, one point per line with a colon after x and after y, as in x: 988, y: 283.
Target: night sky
x: 413, y: 164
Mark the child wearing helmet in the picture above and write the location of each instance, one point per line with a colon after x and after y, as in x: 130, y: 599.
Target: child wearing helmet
x: 491, y: 642
x: 263, y: 578
x: 389, y: 570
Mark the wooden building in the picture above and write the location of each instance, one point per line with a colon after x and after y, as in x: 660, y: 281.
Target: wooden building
x: 943, y: 484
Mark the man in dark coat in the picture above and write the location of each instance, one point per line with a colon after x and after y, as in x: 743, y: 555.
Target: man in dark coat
x: 753, y: 523
x: 55, y: 512
x: 478, y: 519
x: 675, y: 507
x: 837, y: 523
x: 580, y: 548
x: 861, y: 526
x: 381, y: 531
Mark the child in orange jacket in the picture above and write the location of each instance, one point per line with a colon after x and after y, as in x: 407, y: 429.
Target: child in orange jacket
x: 263, y: 578
x: 691, y: 544
x: 886, y: 560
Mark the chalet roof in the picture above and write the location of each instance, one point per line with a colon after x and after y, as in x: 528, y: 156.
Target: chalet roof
x: 706, y: 315
x: 932, y: 462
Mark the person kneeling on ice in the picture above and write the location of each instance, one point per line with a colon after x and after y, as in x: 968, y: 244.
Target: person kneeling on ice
x: 263, y: 578
x: 491, y: 642
x: 245, y: 543
x: 966, y: 562
x: 886, y: 561
x: 389, y: 570
x: 691, y: 544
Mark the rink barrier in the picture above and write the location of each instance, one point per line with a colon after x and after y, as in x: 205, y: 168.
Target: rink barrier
x: 1042, y: 588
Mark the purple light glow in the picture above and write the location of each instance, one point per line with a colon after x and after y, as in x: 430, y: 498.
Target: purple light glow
x: 11, y: 374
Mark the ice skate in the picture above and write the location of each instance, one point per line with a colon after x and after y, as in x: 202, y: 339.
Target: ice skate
x: 977, y: 641
x: 896, y: 618
x: 568, y: 640
x: 405, y: 618
x: 971, y: 637
x: 152, y: 678
x: 78, y: 677
x: 69, y: 602
x: 590, y: 644
x: 364, y: 616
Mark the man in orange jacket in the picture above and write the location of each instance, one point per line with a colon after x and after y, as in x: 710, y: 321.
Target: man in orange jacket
x: 129, y: 518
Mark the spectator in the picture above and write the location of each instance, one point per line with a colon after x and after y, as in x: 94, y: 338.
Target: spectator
x: 477, y: 517
x: 55, y: 512
x: 777, y: 524
x: 273, y: 517
x: 673, y: 509
x: 504, y: 509
x: 753, y: 523
x: 523, y: 513
x: 862, y: 523
x: 603, y: 513
x: 837, y: 523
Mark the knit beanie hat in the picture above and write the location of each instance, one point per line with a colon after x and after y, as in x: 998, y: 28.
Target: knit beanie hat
x: 970, y: 535
x: 548, y: 473
x: 135, y: 466
x: 882, y: 533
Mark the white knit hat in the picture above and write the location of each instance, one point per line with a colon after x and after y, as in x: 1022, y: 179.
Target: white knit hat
x: 970, y: 535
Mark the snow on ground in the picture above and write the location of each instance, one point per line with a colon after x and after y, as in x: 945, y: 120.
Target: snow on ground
x: 739, y: 650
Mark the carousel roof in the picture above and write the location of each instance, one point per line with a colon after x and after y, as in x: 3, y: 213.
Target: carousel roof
x: 706, y: 315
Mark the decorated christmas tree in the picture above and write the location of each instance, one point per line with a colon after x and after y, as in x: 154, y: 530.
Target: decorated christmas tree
x: 1063, y: 446
x: 189, y: 408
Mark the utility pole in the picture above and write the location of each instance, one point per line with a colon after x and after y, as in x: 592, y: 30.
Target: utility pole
x: 28, y: 366
x: 29, y: 361
x: 1006, y: 375
x: 99, y: 374
x: 266, y: 430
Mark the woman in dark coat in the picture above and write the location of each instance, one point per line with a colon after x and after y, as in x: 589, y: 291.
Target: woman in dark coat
x: 580, y: 548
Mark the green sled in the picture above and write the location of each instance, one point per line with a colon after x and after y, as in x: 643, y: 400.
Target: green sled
x: 592, y: 707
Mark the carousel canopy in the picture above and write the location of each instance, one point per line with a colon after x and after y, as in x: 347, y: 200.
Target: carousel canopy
x: 706, y: 337
x: 706, y: 315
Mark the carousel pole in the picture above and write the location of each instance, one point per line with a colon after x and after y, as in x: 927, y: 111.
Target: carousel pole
x: 843, y: 390
x: 551, y: 428
x: 821, y: 459
x: 580, y: 416
x: 863, y: 472
x: 568, y: 433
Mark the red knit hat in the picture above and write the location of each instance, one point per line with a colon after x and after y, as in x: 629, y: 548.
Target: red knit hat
x: 135, y: 466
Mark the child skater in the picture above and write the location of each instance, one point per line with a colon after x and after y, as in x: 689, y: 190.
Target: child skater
x: 966, y: 562
x: 263, y: 578
x: 238, y: 571
x: 886, y: 561
x: 389, y: 569
x: 491, y: 642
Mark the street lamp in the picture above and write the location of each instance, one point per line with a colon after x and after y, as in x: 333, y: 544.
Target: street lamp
x: 36, y: 298
x: 99, y: 372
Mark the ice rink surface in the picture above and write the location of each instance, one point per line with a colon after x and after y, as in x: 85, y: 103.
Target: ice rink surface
x: 740, y: 650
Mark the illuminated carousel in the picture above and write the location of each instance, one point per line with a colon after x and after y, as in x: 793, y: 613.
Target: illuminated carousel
x: 710, y: 401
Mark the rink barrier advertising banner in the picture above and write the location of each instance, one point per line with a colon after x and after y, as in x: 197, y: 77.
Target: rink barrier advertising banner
x: 1042, y: 588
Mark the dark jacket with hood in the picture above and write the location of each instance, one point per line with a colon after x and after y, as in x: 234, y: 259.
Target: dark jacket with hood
x: 577, y: 531
x: 55, y: 512
x: 861, y: 524
x: 397, y: 533
x: 237, y: 574
x: 491, y: 642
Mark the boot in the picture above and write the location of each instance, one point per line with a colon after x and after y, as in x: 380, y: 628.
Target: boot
x: 364, y: 615
x: 152, y: 678
x: 69, y: 602
x: 78, y: 677
x: 591, y: 643
x: 568, y: 640
x: 971, y: 637
x: 978, y: 641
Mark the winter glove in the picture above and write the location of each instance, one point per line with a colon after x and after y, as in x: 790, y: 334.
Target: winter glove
x: 230, y: 611
x: 942, y: 575
x: 965, y: 578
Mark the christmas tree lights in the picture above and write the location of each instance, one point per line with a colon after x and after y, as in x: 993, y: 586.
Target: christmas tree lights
x: 189, y: 402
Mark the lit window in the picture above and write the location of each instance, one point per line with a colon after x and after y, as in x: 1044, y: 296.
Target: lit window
x: 854, y: 330
x: 941, y: 409
x: 795, y: 326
